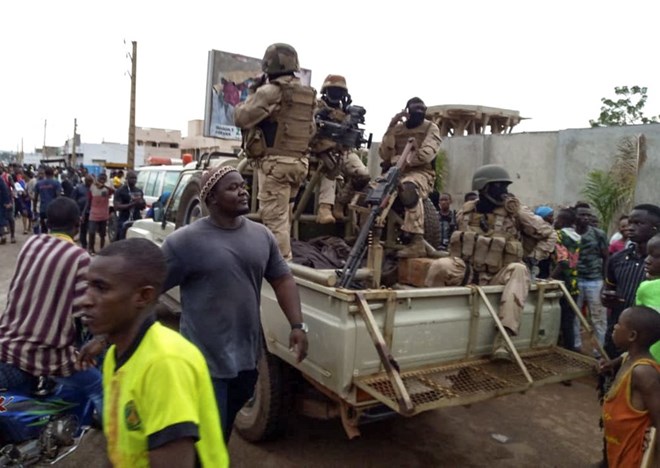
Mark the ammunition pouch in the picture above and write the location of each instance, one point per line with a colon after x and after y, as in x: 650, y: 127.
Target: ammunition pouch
x: 486, y: 254
x: 254, y: 143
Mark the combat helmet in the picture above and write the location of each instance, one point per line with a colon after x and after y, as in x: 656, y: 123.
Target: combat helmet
x: 334, y: 81
x: 487, y: 174
x: 280, y: 58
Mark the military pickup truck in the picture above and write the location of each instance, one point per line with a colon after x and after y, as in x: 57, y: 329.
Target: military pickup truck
x: 377, y: 351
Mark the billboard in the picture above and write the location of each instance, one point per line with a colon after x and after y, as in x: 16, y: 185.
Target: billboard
x: 228, y: 79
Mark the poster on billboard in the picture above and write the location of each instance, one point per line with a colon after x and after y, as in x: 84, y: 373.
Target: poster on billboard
x: 228, y: 80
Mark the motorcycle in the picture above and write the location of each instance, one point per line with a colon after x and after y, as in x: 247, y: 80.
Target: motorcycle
x: 42, y: 423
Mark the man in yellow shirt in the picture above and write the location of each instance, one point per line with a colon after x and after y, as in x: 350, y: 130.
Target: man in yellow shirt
x: 160, y: 407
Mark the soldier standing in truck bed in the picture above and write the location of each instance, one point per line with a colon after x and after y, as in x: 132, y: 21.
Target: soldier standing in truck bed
x: 418, y: 177
x: 278, y: 124
x: 495, y: 233
x: 336, y: 158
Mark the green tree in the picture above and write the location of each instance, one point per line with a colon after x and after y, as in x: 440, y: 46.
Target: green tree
x: 625, y: 109
x: 612, y: 192
x: 440, y: 170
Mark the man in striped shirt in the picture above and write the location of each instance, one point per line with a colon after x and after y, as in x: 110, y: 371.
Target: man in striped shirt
x: 625, y: 269
x: 38, y: 333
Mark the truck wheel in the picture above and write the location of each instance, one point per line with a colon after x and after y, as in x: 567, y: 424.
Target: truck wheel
x: 191, y: 207
x: 431, y: 224
x: 264, y: 416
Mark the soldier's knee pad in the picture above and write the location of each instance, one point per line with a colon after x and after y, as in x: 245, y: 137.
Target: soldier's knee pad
x: 408, y: 195
x: 359, y: 182
x: 518, y: 267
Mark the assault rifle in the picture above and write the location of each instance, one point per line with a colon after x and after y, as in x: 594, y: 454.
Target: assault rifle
x: 377, y: 199
x: 347, y: 133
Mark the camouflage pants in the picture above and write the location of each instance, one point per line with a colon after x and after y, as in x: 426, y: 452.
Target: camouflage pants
x: 280, y: 178
x: 450, y: 271
x: 413, y: 221
x: 350, y: 167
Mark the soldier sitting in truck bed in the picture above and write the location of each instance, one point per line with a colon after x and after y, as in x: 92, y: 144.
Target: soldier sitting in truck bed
x: 417, y: 179
x: 494, y: 234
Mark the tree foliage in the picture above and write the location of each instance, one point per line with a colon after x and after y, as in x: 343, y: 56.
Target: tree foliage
x: 612, y: 192
x: 441, y: 170
x: 627, y: 108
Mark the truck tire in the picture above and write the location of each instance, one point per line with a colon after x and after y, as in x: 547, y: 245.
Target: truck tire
x: 264, y: 416
x: 431, y: 224
x: 191, y: 207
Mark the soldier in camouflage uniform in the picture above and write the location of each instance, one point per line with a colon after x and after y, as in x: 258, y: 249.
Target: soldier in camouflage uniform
x: 337, y: 159
x: 418, y: 178
x: 495, y: 233
x: 278, y: 125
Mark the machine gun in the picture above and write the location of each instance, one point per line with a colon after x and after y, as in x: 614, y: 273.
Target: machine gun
x: 378, y: 200
x: 347, y: 133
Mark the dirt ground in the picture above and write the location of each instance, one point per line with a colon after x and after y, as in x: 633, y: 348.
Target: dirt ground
x: 552, y: 426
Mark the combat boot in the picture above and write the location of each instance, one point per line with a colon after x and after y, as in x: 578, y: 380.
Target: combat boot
x: 324, y: 215
x: 415, y: 249
x: 500, y: 349
x: 338, y: 212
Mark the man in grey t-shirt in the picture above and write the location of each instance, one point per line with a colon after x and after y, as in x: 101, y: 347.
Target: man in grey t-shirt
x: 219, y: 263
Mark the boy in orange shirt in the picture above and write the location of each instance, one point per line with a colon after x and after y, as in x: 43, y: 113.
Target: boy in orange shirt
x: 632, y: 404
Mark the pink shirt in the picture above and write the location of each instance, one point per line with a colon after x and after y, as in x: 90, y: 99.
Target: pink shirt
x: 99, y: 203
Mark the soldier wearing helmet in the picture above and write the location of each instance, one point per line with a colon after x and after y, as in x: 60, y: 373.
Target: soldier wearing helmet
x: 277, y: 121
x: 494, y: 235
x: 418, y: 177
x: 337, y: 159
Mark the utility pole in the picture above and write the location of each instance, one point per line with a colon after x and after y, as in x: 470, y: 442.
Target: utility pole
x: 73, y: 160
x: 130, y: 159
x: 43, y: 148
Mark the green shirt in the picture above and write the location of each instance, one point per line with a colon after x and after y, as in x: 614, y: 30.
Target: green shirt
x: 592, y: 244
x: 159, y: 393
x: 648, y: 294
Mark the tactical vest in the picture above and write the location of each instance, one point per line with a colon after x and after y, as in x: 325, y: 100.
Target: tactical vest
x: 294, y: 120
x: 402, y: 133
x: 488, y: 242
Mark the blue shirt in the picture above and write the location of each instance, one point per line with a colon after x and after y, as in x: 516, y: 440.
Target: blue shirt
x: 48, y: 190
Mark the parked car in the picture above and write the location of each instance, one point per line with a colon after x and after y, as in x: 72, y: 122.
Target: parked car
x: 154, y: 181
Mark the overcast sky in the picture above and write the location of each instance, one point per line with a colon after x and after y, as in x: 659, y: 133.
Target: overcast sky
x: 67, y: 59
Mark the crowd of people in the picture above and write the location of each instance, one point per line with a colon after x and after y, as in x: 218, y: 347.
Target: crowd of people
x: 27, y: 192
x: 210, y: 368
x: 615, y: 283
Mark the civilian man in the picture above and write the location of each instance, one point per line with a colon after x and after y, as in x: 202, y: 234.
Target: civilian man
x: 128, y: 202
x: 591, y: 271
x: 160, y: 409
x: 46, y: 190
x: 219, y: 262
x: 38, y: 336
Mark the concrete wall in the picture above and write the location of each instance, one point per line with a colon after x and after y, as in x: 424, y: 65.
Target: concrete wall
x: 551, y: 167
